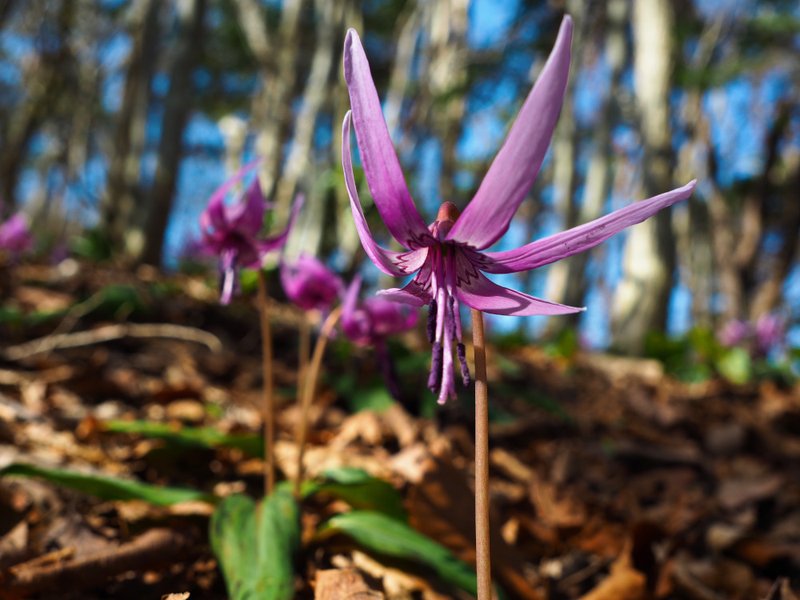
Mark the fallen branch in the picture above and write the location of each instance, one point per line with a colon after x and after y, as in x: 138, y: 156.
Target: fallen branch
x: 109, y: 333
x: 156, y: 548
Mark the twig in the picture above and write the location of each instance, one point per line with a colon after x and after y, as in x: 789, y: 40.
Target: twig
x: 268, y: 398
x: 482, y: 545
x: 155, y: 548
x: 309, y: 388
x: 108, y: 333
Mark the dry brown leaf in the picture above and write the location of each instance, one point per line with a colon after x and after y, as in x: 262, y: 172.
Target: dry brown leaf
x: 442, y: 507
x: 335, y: 584
x: 623, y: 583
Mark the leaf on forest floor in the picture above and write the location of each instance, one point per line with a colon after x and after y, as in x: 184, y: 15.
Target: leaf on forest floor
x: 106, y: 487
x: 441, y: 505
x: 255, y: 544
x: 360, y: 490
x: 333, y: 584
x: 205, y: 437
x: 623, y: 583
x: 388, y: 537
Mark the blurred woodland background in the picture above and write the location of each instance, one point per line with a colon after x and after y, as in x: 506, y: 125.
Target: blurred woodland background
x: 118, y: 119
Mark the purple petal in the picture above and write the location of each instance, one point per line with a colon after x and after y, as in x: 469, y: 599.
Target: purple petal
x: 484, y: 295
x: 514, y: 169
x: 355, y: 321
x: 388, y: 261
x: 411, y: 294
x: 213, y: 219
x: 277, y: 242
x: 575, y: 240
x: 247, y: 215
x: 384, y: 175
x: 309, y: 284
x: 15, y: 235
x: 350, y: 301
x: 214, y: 216
x: 389, y: 317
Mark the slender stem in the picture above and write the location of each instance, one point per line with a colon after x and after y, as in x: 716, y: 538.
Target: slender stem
x: 482, y: 544
x: 268, y: 396
x: 309, y: 390
x: 303, y: 352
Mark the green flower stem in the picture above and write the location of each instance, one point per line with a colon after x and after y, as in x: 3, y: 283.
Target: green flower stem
x: 482, y: 544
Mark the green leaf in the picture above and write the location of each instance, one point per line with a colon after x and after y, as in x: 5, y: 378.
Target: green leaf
x: 361, y: 490
x: 376, y: 399
x: 206, y: 437
x: 735, y: 366
x: 388, y: 537
x: 108, y: 488
x: 256, y: 544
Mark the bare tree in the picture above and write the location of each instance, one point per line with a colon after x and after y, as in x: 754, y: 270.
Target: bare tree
x: 47, y: 79
x: 568, y: 283
x: 124, y: 193
x: 178, y: 104
x: 277, y: 61
x: 642, y: 296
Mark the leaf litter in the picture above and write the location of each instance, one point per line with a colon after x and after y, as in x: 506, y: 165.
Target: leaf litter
x: 634, y: 486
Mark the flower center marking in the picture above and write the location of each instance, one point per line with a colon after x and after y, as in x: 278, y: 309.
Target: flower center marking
x: 444, y: 318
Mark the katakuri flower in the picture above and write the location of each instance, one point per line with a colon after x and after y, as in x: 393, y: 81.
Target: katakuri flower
x: 371, y: 322
x: 15, y: 235
x: 449, y: 256
x: 230, y: 231
x: 310, y: 284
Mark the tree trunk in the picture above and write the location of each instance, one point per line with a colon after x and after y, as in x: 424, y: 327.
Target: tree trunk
x: 568, y: 283
x: 642, y: 296
x: 272, y: 114
x: 177, y: 108
x: 447, y: 77
x: 329, y: 25
x: 123, y: 193
x: 47, y: 82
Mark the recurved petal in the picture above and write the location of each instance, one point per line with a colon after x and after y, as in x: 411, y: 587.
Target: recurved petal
x: 247, y: 216
x: 412, y: 294
x: 388, y: 261
x: 215, y: 216
x: 566, y: 243
x: 514, y: 169
x: 381, y: 166
x: 478, y: 292
x: 278, y: 241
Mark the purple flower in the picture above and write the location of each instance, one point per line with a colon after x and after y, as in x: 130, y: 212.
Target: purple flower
x: 448, y: 257
x: 734, y: 332
x: 371, y: 322
x: 310, y: 284
x: 770, y: 332
x: 230, y: 231
x: 15, y: 236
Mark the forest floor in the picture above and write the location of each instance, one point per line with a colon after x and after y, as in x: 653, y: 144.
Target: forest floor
x: 609, y: 480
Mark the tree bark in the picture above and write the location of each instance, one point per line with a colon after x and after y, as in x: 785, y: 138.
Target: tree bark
x: 177, y: 108
x: 46, y: 82
x: 329, y: 25
x: 642, y: 296
x: 272, y: 114
x: 447, y: 77
x: 123, y: 193
x: 568, y: 282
